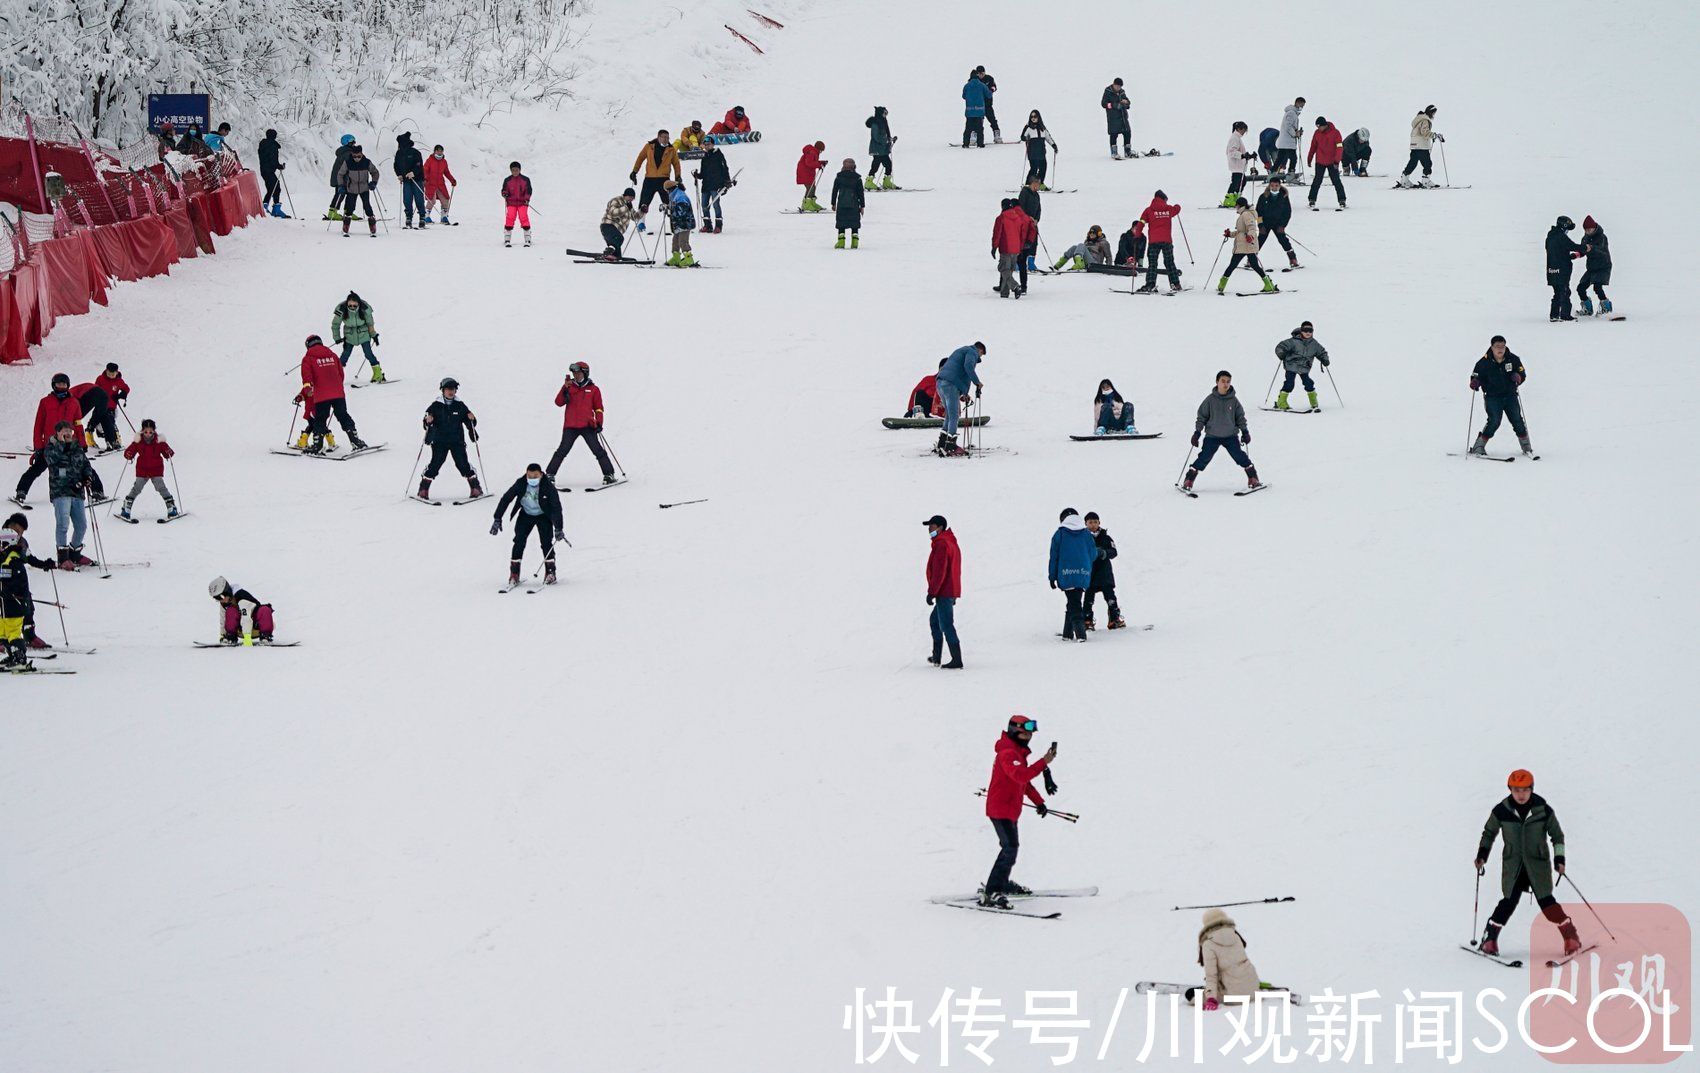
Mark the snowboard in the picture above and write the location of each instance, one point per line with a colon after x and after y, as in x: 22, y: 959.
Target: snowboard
x: 734, y: 139
x: 1047, y: 192
x: 1118, y: 436
x: 607, y: 261
x: 804, y: 212
x: 933, y: 422
x: 1114, y: 270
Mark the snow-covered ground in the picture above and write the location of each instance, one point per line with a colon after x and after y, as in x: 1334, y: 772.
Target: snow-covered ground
x: 673, y: 812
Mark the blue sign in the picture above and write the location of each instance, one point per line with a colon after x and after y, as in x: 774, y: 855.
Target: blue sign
x: 181, y: 110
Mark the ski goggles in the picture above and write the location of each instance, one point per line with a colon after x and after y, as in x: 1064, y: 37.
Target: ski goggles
x: 1021, y: 722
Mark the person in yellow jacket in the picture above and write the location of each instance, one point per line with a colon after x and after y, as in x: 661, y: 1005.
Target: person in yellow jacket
x: 658, y: 161
x: 691, y: 137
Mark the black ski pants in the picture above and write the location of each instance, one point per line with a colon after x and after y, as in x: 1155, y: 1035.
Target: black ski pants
x: 651, y: 188
x: 1420, y: 156
x: 322, y: 416
x: 1038, y: 165
x: 1109, y: 592
x: 365, y: 199
x: 1503, y: 406
x: 441, y: 451
x: 1287, y: 382
x: 1559, y: 281
x: 271, y: 195
x: 1550, y: 909
x: 1165, y: 251
x: 1280, y: 233
x: 592, y: 438
x: 1236, y: 182
x: 1251, y: 262
x: 881, y: 160
x: 1286, y: 160
x: 98, y: 415
x: 1596, y: 280
x: 615, y: 238
x: 1009, y: 845
x: 1333, y: 172
x: 523, y: 525
x: 37, y: 466
x: 992, y: 117
x: 974, y: 127
x: 1074, y: 614
x: 1225, y: 443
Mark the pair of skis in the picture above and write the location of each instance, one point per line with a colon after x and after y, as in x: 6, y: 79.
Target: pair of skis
x: 1517, y: 963
x: 451, y: 502
x: 595, y: 487
x: 162, y: 520
x: 326, y: 456
x: 1243, y: 492
x: 1018, y: 902
x: 1117, y: 436
x: 256, y: 644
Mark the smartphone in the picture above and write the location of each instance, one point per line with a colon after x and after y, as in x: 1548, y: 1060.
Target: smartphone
x: 1053, y: 746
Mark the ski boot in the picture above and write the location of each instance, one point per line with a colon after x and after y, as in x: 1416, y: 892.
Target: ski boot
x: 997, y: 138
x: 171, y: 510
x: 79, y: 558
x: 1605, y: 306
x: 609, y: 478
x: 424, y: 489
x: 1313, y: 207
x: 1191, y: 475
x: 1228, y: 200
x: 1269, y: 285
x: 839, y: 245
x: 1587, y: 307
x: 317, y: 447
x: 1404, y: 182
x: 35, y: 642
x: 332, y: 214
x: 124, y: 511
x: 1490, y: 946
x: 1118, y: 623
x: 1174, y: 288
x: 1480, y: 446
x: 445, y: 218
x: 1221, y: 285
x: 1251, y: 480
x: 1149, y: 288
x: 513, y: 572
x: 1311, y: 395
x: 811, y: 205
x: 549, y: 572
x: 1090, y: 623
x: 407, y: 224
x: 1523, y: 442
x: 948, y: 447
x: 673, y: 261
x: 1281, y: 402
x: 330, y: 441
x: 689, y: 260
x: 424, y: 220
x: 372, y: 226
x: 1080, y: 264
x: 989, y: 900
x: 62, y: 556
x: 474, y: 490
x: 870, y: 183
x: 1032, y: 263
x: 355, y: 440
x: 1060, y: 262
x: 377, y: 374
x: 887, y: 184
x: 1426, y: 183
x: 528, y: 238
x: 1099, y: 431
x: 508, y: 238
x: 1116, y: 153
x: 277, y: 210
x: 855, y: 242
x: 1011, y: 887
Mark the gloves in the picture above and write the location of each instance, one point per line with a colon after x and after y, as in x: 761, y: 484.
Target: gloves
x: 472, y: 433
x: 1245, y: 436
x: 1517, y: 378
x: 495, y: 527
x: 1439, y: 137
x: 1325, y: 363
x: 929, y: 599
x: 977, y: 390
x: 297, y: 399
x: 1195, y: 438
x: 376, y: 339
x: 1227, y: 233
x: 1040, y: 808
x: 1479, y: 863
x: 560, y: 535
x: 1475, y: 383
x: 1053, y: 584
x: 1575, y: 254
x: 281, y: 165
x: 1212, y: 1004
x: 642, y: 227
x: 632, y: 177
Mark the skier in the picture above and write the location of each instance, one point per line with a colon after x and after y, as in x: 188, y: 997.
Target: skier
x: 243, y: 618
x: 439, y: 184
x: 356, y: 177
x: 149, y: 452
x: 448, y: 425
x: 1423, y: 137
x: 536, y: 505
x: 991, y: 85
x: 1597, y: 272
x: 1527, y: 822
x: 1103, y: 574
x: 1159, y: 217
x: 322, y: 391
x: 1073, y: 552
x: 1274, y: 213
x: 1297, y: 353
x: 880, y: 143
x: 19, y: 524
x: 1094, y: 249
x: 848, y: 200
x: 616, y: 217
x: 337, y: 189
x: 1130, y: 248
x: 516, y: 194
x: 410, y: 173
x: 1560, y: 252
x: 682, y: 220
x: 1028, y: 199
x: 958, y: 371
x: 925, y: 399
x: 715, y: 178
x: 1325, y: 152
x: 944, y: 588
x: 1356, y: 151
x: 1010, y: 232
x: 1221, y: 954
x: 581, y: 419
x: 658, y: 161
x: 809, y: 167
x: 1287, y: 142
x: 1497, y: 375
x: 1237, y: 158
x: 57, y: 406
x: 1012, y: 779
x: 734, y: 122
x: 976, y: 100
x: 1245, y: 235
x: 1034, y: 137
x: 17, y: 607
x: 271, y: 199
x: 1220, y: 418
x: 1111, y: 412
x: 70, y: 482
x: 99, y: 402
x: 353, y: 324
x: 1116, y: 107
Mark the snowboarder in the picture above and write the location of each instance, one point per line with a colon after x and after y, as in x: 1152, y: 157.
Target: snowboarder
x: 944, y: 587
x: 658, y: 161
x: 880, y: 143
x: 1116, y: 107
x: 356, y: 177
x: 1527, y: 822
x: 691, y: 137
x: 338, y: 191
x: 1287, y: 142
x: 17, y: 607
x: 976, y: 99
x: 1221, y: 954
x: 322, y: 392
x: 1597, y: 271
x: 1297, y: 353
x: 1094, y: 249
x: 925, y: 399
x: 1274, y: 213
x: 1011, y: 780
x: 70, y: 482
x: 439, y: 185
x: 734, y: 122
x: 449, y: 423
x: 243, y: 617
x: 271, y: 168
x: 149, y: 452
x: 1073, y: 552
x: 991, y: 85
x: 1237, y: 159
x: 1034, y: 138
x: 714, y: 178
x: 955, y: 375
x: 100, y: 401
x: 1221, y: 419
x: 536, y: 505
x: 1423, y: 137
x: 848, y: 200
x: 1010, y: 232
x: 1130, y: 248
x: 19, y: 524
x: 581, y: 419
x: 410, y: 173
x: 1103, y: 574
x: 1028, y: 199
x: 1159, y: 217
x: 516, y: 195
x: 354, y: 325
x: 1560, y: 252
x: 1245, y: 236
x: 809, y: 167
x: 1497, y: 375
x: 57, y: 406
x: 1356, y: 151
x: 682, y: 220
x: 1111, y: 412
x: 616, y: 217
x: 1326, y: 150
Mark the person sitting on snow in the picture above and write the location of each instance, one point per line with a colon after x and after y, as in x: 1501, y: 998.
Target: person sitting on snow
x: 1095, y: 249
x: 1111, y: 412
x: 735, y: 122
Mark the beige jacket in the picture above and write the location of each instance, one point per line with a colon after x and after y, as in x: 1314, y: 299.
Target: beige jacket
x: 1227, y: 969
x: 1422, y: 131
x: 1245, y: 231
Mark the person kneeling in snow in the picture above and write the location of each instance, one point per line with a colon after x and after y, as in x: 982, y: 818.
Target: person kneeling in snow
x: 1095, y: 249
x: 925, y: 400
x: 1221, y: 953
x: 241, y: 615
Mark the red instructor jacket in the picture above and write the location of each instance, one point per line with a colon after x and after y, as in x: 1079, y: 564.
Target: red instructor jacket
x: 52, y: 410
x: 321, y: 375
x: 583, y: 405
x: 1012, y: 777
x: 1326, y: 147
x: 944, y: 566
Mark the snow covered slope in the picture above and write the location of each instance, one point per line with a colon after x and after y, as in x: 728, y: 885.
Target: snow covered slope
x: 673, y: 812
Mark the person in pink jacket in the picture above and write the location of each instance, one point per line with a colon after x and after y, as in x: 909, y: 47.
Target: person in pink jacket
x: 438, y: 180
x: 516, y: 192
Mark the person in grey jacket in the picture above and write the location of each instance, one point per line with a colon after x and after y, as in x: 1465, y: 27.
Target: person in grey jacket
x: 1297, y: 353
x: 1287, y: 142
x: 1221, y: 419
x: 1094, y: 250
x: 356, y: 177
x: 954, y: 377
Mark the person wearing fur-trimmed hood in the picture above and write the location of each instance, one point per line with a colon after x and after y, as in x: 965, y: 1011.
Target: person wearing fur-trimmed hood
x: 1222, y: 955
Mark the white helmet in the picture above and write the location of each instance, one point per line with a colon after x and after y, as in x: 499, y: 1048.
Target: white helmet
x: 217, y: 587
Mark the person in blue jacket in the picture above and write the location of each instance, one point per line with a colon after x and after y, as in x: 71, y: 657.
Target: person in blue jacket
x: 1266, y: 147
x: 974, y: 96
x: 1073, y: 552
x: 954, y: 378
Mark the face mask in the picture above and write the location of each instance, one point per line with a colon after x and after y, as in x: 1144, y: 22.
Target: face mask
x: 533, y: 482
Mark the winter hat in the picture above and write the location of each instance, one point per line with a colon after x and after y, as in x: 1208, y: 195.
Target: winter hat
x: 1430, y: 110
x: 628, y: 192
x: 1066, y: 512
x: 1588, y: 224
x: 1306, y: 326
x: 1021, y: 722
x: 447, y: 383
x: 821, y: 146
x: 1363, y: 134
x: 17, y: 518
x: 1521, y: 779
x: 1213, y: 917
x: 404, y: 138
x: 668, y: 185
x: 436, y: 149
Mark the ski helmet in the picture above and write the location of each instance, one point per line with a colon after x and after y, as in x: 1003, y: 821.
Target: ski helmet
x: 218, y: 587
x: 448, y: 382
x: 314, y: 340
x: 348, y: 139
x: 1521, y: 779
x: 1021, y: 722
x: 579, y: 367
x: 1566, y: 223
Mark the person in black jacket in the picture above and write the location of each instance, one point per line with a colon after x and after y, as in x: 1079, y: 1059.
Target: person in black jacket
x: 1598, y: 271
x: 880, y: 143
x: 343, y: 151
x: 848, y: 200
x: 272, y: 199
x: 1028, y: 199
x: 1130, y: 248
x: 1103, y: 574
x: 991, y: 85
x: 1560, y: 252
x: 1111, y: 412
x: 1357, y: 152
x: 1497, y: 375
x: 410, y: 173
x: 1274, y: 212
x: 715, y: 179
x: 448, y: 424
x: 536, y: 505
x: 1116, y: 106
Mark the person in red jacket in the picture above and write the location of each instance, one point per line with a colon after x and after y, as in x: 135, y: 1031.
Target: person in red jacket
x: 59, y: 404
x: 438, y: 180
x: 944, y: 587
x: 149, y: 452
x: 581, y: 419
x: 1159, y: 229
x: 1011, y: 233
x: 809, y: 167
x: 1012, y: 779
x: 321, y: 389
x: 1327, y: 147
x: 100, y: 401
x: 516, y: 194
x: 924, y: 400
x: 735, y: 122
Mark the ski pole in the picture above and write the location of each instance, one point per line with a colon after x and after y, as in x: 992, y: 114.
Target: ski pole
x: 1225, y: 905
x: 1184, y: 465
x: 606, y: 446
x: 1279, y: 365
x: 1302, y: 246
x: 1336, y: 388
x: 125, y: 468
x: 175, y: 484
x: 1448, y: 177
x: 1188, y: 242
x: 126, y: 415
x: 1218, y: 257
x: 1476, y: 912
x: 290, y: 438
x: 482, y: 472
x: 681, y: 503
x: 288, y: 196
x: 407, y: 489
x: 62, y: 631
x: 383, y: 210
x: 1470, y: 427
x: 47, y: 603
x: 1590, y: 905
x: 1071, y: 817
x: 99, y: 545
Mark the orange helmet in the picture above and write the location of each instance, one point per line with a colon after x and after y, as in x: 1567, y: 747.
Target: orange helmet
x: 1520, y: 779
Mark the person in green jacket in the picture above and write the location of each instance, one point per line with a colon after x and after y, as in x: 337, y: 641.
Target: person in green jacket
x: 1526, y: 821
x: 353, y: 325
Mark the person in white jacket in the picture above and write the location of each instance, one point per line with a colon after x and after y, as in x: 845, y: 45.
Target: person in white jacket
x: 1423, y: 137
x: 1287, y: 142
x: 1221, y: 954
x: 1237, y: 159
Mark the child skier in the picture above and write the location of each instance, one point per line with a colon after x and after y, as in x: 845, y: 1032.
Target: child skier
x: 448, y: 425
x: 880, y: 142
x: 149, y: 452
x: 16, y: 606
x: 439, y: 184
x: 848, y: 201
x: 1296, y: 353
x: 1274, y: 213
x: 1597, y: 272
x: 1244, y: 234
x: 1527, y: 822
x: 1237, y: 158
x: 1220, y: 419
x: 1012, y: 779
x: 1073, y: 551
x: 1111, y: 413
x: 1103, y: 574
x: 243, y: 618
x: 516, y: 194
x: 353, y: 324
x: 683, y: 222
x: 1497, y: 375
x: 1094, y: 250
x: 18, y: 524
x: 1034, y: 137
x: 536, y: 505
x: 809, y: 167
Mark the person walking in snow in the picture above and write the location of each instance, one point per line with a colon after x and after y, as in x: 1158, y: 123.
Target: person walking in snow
x: 848, y: 200
x: 410, y: 173
x: 1297, y: 353
x: 1287, y: 141
x: 516, y: 195
x: 1130, y: 248
x: 353, y: 324
x: 1103, y: 573
x: 619, y: 214
x: 1423, y: 137
x: 536, y: 505
x: 1497, y: 375
x: 337, y: 190
x: 1094, y: 249
x: 1561, y: 251
x: 71, y: 481
x: 714, y: 178
x: 448, y: 424
x: 322, y: 394
x: 1221, y: 423
x: 683, y: 221
x: 1274, y: 213
x: 1356, y: 151
x: 1327, y: 148
x: 58, y: 405
x: 1597, y: 270
x: 959, y: 371
x: 1111, y: 412
x: 1011, y: 781
x: 975, y: 100
x: 242, y: 615
x: 271, y: 169
x: 1237, y: 160
x: 1245, y: 235
x: 880, y: 143
x: 439, y: 185
x: 1034, y: 137
x: 658, y: 161
x: 1159, y: 218
x: 1073, y: 551
x: 1228, y: 971
x: 991, y: 85
x: 581, y: 419
x: 809, y: 167
x: 1116, y: 108
x: 149, y: 452
x: 1010, y: 232
x: 944, y: 588
x: 356, y: 177
x: 1527, y: 823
